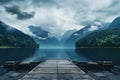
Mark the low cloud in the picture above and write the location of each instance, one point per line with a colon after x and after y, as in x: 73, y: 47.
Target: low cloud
x: 57, y: 16
x: 5, y: 1
x: 15, y: 10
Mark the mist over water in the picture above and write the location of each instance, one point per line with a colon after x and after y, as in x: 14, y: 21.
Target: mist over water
x: 43, y: 54
x: 28, y: 55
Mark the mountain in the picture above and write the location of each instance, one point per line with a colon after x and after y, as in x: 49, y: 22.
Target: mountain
x: 115, y: 23
x: 106, y: 38
x: 12, y: 37
x: 94, y: 26
x: 38, y: 31
x: 67, y: 34
x: 44, y: 38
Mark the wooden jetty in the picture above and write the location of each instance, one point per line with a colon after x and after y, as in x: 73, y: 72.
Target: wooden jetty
x: 56, y: 70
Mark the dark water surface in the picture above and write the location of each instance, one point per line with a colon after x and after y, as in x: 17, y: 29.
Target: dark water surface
x: 101, y: 54
x: 27, y: 55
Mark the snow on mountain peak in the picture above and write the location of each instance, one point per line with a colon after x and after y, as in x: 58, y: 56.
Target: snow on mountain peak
x: 95, y: 26
x: 92, y: 28
x: 76, y: 34
x: 97, y: 23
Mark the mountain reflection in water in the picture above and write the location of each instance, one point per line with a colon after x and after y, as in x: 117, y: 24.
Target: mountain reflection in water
x: 87, y: 54
x: 101, y: 54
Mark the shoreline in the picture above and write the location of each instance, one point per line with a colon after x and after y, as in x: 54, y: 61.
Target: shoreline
x: 5, y: 47
x: 98, y: 47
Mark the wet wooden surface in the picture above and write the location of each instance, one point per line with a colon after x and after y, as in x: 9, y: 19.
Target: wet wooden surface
x: 56, y: 70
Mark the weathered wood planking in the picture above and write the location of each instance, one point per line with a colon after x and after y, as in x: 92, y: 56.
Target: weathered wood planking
x: 56, y: 70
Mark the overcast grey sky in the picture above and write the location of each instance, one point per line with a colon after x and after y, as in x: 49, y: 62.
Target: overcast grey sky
x: 57, y: 16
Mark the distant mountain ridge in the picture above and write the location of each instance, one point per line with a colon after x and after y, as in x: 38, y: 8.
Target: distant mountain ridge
x: 43, y: 37
x: 94, y: 26
x: 115, y: 23
x: 38, y: 31
x: 67, y: 34
x: 105, y: 38
x: 12, y: 37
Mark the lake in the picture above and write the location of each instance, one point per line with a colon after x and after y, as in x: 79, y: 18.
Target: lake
x: 84, y: 54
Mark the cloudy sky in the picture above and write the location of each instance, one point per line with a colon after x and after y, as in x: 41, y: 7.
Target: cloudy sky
x: 57, y: 16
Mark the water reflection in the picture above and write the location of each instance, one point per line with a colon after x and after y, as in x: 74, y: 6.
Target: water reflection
x: 15, y: 54
x: 99, y: 54
x: 27, y: 55
x: 69, y: 54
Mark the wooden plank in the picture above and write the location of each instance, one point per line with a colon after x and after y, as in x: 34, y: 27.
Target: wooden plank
x: 56, y: 70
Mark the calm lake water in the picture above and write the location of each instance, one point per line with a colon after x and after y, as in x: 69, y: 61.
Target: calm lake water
x: 27, y: 55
